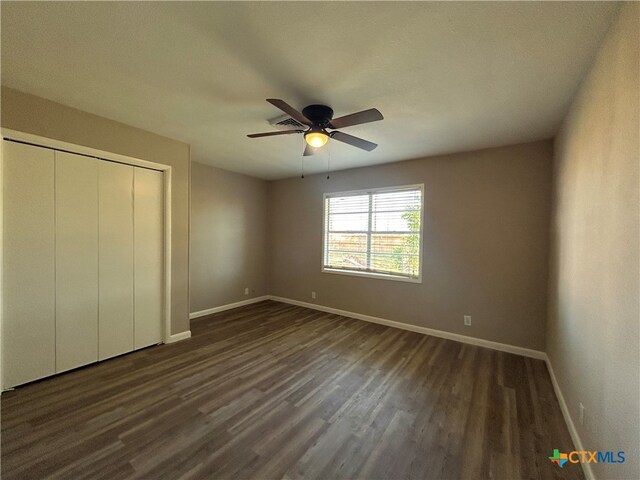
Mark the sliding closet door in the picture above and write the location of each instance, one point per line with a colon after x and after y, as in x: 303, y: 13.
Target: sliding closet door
x: 115, y: 239
x: 149, y: 256
x: 76, y: 260
x: 28, y: 264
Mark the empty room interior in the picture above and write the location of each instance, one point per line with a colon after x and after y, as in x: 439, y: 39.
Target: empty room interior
x: 320, y: 240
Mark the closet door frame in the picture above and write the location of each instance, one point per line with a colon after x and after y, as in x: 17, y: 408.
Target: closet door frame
x: 36, y: 140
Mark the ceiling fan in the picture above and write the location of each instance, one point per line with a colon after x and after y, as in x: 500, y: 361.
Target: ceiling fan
x: 319, y: 118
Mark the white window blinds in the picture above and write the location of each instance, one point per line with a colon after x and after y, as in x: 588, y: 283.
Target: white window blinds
x: 374, y: 232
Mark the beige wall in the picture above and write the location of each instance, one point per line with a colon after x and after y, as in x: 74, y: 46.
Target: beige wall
x: 228, y: 237
x: 35, y: 115
x: 592, y: 335
x: 486, y: 236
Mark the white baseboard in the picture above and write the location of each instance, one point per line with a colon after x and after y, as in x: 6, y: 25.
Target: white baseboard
x: 229, y: 306
x: 503, y: 347
x: 577, y: 442
x: 178, y: 336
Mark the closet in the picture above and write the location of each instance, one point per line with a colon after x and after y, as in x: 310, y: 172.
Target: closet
x: 83, y: 253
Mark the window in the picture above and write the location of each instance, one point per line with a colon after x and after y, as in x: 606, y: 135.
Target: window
x: 376, y: 233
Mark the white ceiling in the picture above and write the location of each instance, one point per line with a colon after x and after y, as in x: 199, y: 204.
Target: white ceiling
x: 447, y: 76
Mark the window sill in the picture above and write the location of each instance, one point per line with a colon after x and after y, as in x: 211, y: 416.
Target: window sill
x: 378, y: 276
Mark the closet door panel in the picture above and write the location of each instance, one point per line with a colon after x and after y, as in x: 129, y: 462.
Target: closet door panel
x: 149, y: 256
x: 28, y: 263
x: 115, y: 253
x: 76, y: 260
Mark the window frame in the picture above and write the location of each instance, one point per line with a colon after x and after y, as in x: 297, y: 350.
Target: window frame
x: 357, y: 273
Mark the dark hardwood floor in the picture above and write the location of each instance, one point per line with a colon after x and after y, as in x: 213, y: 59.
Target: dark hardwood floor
x: 276, y: 391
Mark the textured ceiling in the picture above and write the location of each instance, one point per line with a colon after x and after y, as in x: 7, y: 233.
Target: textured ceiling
x: 447, y: 76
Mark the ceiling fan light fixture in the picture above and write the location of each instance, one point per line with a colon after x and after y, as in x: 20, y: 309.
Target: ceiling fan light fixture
x: 316, y: 139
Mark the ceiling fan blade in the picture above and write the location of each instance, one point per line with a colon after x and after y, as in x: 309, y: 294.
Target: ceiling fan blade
x: 270, y: 134
x: 354, y: 141
x: 366, y: 116
x: 289, y: 110
x: 309, y: 150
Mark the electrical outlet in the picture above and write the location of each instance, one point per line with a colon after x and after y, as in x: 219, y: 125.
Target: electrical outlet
x: 467, y: 320
x: 246, y: 291
x: 581, y: 419
x: 313, y: 295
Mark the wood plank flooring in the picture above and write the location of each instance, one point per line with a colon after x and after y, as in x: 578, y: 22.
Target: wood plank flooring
x: 273, y: 391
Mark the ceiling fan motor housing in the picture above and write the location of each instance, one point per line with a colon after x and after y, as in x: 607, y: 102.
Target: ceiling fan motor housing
x: 320, y: 115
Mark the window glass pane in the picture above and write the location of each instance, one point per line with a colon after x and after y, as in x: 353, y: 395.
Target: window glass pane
x: 349, y: 222
x: 391, y: 222
x: 404, y: 243
x: 348, y: 242
x: 390, y: 201
x: 397, y: 263
x: 346, y: 204
x: 352, y: 261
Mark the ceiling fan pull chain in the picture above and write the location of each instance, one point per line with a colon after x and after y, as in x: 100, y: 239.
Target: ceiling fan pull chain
x: 328, y: 161
x: 302, y: 160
